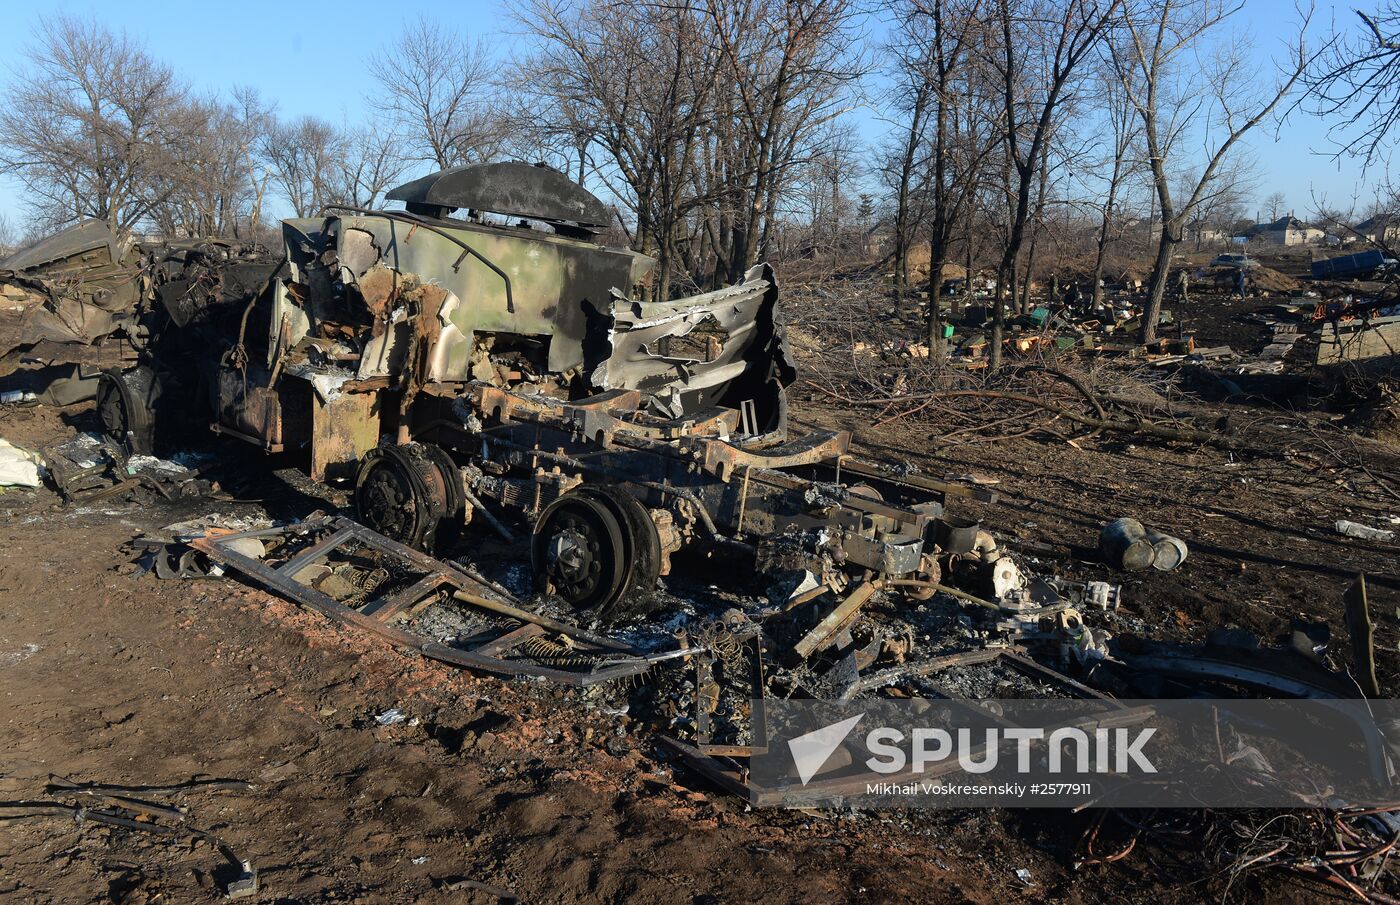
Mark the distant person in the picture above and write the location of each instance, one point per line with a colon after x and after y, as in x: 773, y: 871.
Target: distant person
x: 1240, y: 283
x: 1183, y: 284
x: 1072, y: 296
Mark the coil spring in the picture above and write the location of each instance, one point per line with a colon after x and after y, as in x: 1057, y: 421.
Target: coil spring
x: 552, y: 653
x: 716, y: 637
x: 366, y: 582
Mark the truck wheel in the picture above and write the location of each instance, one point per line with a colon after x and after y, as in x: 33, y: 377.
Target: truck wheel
x: 598, y: 550
x: 124, y: 403
x: 637, y: 597
x: 411, y: 494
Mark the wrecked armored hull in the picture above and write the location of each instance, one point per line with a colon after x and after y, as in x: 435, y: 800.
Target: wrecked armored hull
x: 104, y: 300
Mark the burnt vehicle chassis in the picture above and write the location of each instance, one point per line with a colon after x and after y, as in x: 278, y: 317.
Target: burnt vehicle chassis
x: 612, y: 492
x: 452, y: 366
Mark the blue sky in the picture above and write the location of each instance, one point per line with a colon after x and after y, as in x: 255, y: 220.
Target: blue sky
x: 309, y: 57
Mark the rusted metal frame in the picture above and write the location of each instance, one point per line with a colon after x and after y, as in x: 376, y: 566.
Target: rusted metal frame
x: 836, y: 621
x: 386, y: 608
x: 323, y: 603
x: 318, y: 550
x: 597, y: 420
x: 417, y: 223
x: 731, y: 779
x: 339, y: 613
x: 704, y: 678
x: 598, y: 424
x: 743, y: 500
x: 870, y: 470
x: 685, y: 493
x: 464, y: 583
x: 495, y: 402
x: 720, y: 458
x: 757, y: 728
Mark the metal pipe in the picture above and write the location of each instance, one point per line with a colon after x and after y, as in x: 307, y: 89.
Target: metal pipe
x: 491, y: 520
x: 943, y: 588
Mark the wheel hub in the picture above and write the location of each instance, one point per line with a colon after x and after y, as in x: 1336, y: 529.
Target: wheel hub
x: 407, y: 493
x: 569, y: 556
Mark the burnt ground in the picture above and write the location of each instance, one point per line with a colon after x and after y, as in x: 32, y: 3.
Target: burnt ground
x: 111, y: 677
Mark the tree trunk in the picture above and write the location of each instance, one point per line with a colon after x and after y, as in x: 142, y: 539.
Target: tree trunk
x: 1158, y: 287
x: 1102, y: 248
x: 935, y: 291
x: 902, y: 230
x: 1024, y: 305
x: 967, y: 273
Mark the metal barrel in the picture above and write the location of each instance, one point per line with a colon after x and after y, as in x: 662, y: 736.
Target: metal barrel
x: 1123, y: 543
x: 1170, y: 551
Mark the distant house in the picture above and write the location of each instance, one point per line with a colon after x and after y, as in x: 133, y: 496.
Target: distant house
x: 1287, y: 230
x: 1382, y: 228
x: 1201, y: 234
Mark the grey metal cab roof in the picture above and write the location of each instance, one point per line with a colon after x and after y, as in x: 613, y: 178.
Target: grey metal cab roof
x: 85, y: 235
x: 517, y: 189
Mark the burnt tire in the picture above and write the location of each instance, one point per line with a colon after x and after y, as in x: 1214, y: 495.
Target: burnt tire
x: 638, y: 597
x: 411, y: 494
x: 125, y: 404
x: 597, y: 550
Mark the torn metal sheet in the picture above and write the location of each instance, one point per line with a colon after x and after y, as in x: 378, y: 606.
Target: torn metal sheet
x: 723, y: 348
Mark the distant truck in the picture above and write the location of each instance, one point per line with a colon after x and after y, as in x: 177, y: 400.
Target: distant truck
x: 1360, y: 266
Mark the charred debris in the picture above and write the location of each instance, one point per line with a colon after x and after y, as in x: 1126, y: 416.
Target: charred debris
x: 549, y: 472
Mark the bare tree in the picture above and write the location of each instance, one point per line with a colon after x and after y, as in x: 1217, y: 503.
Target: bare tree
x: 909, y: 96
x: 1276, y: 204
x: 208, y: 185
x: 86, y: 126
x: 1176, y: 99
x: 1118, y: 113
x: 369, y: 165
x: 1354, y: 81
x: 304, y: 155
x: 436, y: 88
x: 9, y: 236
x: 636, y: 82
x: 956, y: 161
x: 1038, y: 58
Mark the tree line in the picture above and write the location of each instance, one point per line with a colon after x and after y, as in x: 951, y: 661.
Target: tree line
x: 728, y: 131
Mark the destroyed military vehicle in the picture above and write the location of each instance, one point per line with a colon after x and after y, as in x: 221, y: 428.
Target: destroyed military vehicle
x: 506, y: 360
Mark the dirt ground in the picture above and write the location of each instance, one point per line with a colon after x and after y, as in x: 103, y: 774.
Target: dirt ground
x: 112, y: 677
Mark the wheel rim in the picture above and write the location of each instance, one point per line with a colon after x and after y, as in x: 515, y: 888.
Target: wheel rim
x: 579, y: 552
x: 408, y: 493
x: 112, y: 413
x: 386, y: 501
x: 642, y: 561
x: 123, y: 408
